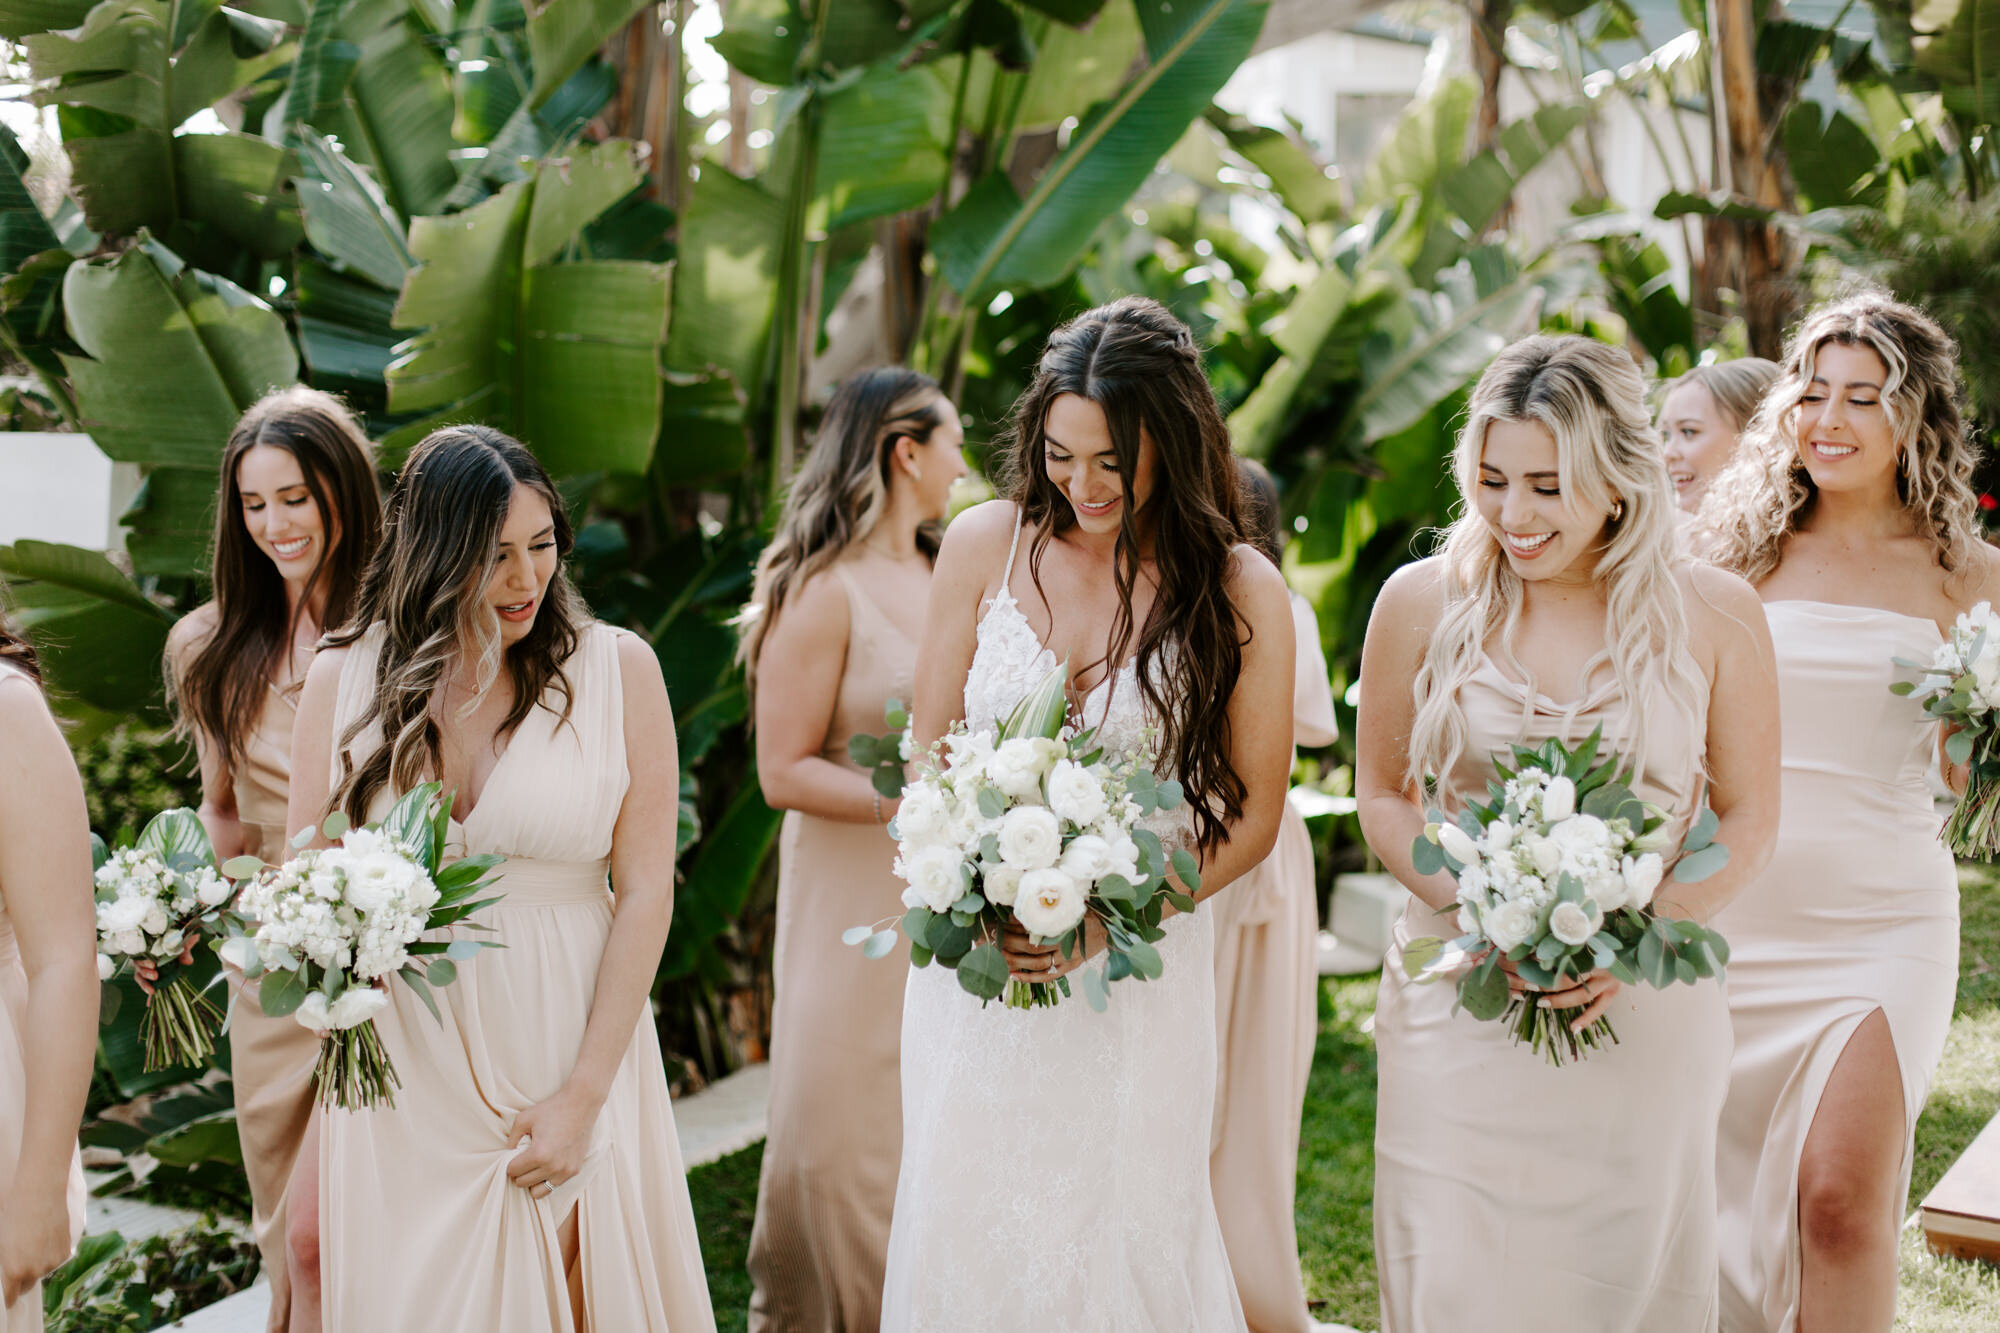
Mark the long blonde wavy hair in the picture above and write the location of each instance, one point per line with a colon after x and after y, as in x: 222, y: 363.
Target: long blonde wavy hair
x: 1765, y: 493
x: 1591, y: 400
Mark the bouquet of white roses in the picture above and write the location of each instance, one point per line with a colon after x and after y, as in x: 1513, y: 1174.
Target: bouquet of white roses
x: 153, y: 898
x: 1556, y: 875
x: 328, y: 928
x: 1032, y: 824
x: 1961, y: 688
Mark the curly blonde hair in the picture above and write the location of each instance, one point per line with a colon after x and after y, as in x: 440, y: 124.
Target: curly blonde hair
x: 1765, y: 492
x: 1591, y: 399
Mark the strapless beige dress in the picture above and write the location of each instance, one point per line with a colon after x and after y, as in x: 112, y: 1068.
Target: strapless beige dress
x: 1857, y: 912
x: 25, y: 1314
x: 1513, y: 1197
x: 420, y: 1229
x: 821, y: 1236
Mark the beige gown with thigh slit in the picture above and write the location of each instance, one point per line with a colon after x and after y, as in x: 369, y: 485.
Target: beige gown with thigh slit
x: 420, y: 1229
x: 821, y: 1236
x: 1857, y: 912
x: 1266, y: 1017
x: 1514, y: 1197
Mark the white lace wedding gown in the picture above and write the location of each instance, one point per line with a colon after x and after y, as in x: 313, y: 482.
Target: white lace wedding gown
x: 1055, y: 1161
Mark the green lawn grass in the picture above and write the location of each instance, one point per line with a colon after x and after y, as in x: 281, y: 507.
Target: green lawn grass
x: 1336, y: 1156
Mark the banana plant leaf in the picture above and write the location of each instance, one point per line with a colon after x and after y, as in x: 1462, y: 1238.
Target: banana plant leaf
x: 726, y: 284
x: 100, y: 637
x: 1297, y: 175
x: 882, y: 144
x: 1075, y: 68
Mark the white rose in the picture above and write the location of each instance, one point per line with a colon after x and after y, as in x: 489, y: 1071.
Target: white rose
x: 1508, y: 923
x: 1458, y: 844
x: 1017, y: 768
x: 1030, y: 838
x: 356, y: 1005
x: 1543, y: 852
x: 1571, y: 923
x: 1559, y: 799
x: 1000, y: 884
x: 1607, y: 889
x: 1642, y: 876
x: 312, y: 1012
x: 934, y: 872
x: 155, y: 921
x: 237, y: 951
x: 1087, y: 858
x: 105, y: 967
x: 1581, y: 835
x: 1075, y: 793
x: 922, y: 814
x: 1049, y: 903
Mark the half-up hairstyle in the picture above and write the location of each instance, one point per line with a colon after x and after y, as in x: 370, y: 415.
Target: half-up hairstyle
x: 220, y: 690
x: 1141, y: 366
x: 1591, y: 399
x: 426, y: 588
x: 1765, y: 492
x: 840, y: 492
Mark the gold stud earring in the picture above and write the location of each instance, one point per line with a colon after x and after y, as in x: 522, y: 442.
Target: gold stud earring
x: 1617, y: 510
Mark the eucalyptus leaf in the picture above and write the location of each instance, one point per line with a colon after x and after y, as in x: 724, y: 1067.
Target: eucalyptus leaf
x: 1483, y: 991
x: 856, y: 934
x: 879, y: 944
x: 281, y: 993
x: 1697, y: 866
x: 983, y: 972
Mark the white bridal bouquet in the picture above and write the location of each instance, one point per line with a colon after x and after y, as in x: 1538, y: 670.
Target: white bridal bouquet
x: 328, y: 928
x: 1032, y: 824
x: 1556, y: 874
x: 153, y: 899
x: 1961, y: 688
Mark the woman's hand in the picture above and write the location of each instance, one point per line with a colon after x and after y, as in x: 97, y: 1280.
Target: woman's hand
x: 147, y: 972
x: 1593, y: 992
x: 556, y: 1134
x: 34, y: 1237
x: 1028, y: 961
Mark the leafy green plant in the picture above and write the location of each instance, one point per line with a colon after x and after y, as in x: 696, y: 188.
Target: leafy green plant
x: 112, y: 1285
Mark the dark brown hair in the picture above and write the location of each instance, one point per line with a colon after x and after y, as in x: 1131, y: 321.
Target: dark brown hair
x: 15, y: 650
x: 1261, y: 509
x: 426, y: 587
x: 1141, y: 366
x: 219, y: 691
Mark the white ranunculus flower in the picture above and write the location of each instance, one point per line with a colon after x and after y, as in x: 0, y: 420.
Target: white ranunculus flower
x: 312, y: 1012
x: 1570, y: 923
x: 1030, y: 837
x: 1581, y: 836
x: 1543, y: 852
x: 1087, y: 858
x: 1642, y: 876
x: 1000, y: 884
x: 1458, y: 844
x: 155, y: 921
x: 1558, y: 799
x: 122, y: 914
x: 1076, y: 793
x: 1049, y: 903
x: 934, y: 873
x: 105, y: 967
x: 1017, y: 768
x: 1508, y: 924
x: 923, y: 813
x: 1608, y: 890
x: 356, y: 1005
x: 213, y: 890
x: 237, y: 951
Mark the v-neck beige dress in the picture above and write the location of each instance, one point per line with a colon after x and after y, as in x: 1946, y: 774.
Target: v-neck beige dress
x: 1514, y: 1197
x: 25, y: 1314
x: 1266, y: 1019
x: 420, y: 1229
x: 821, y: 1236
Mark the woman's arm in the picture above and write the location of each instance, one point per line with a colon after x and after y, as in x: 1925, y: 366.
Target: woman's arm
x: 799, y: 669
x: 218, y: 785
x: 642, y: 872
x: 45, y: 880
x: 1743, y: 748
x: 1389, y: 803
x: 312, y: 745
x: 975, y: 547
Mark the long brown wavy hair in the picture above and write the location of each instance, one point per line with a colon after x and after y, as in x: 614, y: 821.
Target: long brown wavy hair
x: 426, y: 588
x: 1765, y: 493
x: 15, y: 650
x: 220, y: 690
x: 839, y: 493
x: 1141, y: 366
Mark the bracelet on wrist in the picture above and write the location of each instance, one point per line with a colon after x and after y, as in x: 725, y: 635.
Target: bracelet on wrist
x: 876, y: 796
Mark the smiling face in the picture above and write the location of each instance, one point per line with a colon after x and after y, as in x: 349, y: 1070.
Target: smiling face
x: 1844, y: 436
x: 1521, y: 500
x: 939, y: 462
x: 1699, y: 439
x: 527, y: 561
x: 280, y: 513
x: 1081, y: 463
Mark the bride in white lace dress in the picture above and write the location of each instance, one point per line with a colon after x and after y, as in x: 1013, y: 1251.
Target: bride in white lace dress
x: 1055, y: 1161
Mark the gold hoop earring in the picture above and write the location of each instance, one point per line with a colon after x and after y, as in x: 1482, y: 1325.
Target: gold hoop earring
x: 1617, y: 510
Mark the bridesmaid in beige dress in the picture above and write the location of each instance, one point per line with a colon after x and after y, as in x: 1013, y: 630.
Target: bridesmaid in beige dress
x: 1703, y: 414
x: 528, y: 1178
x: 48, y: 989
x: 1510, y: 1195
x: 296, y: 521
x: 829, y: 637
x: 1267, y: 1001
x: 1852, y: 510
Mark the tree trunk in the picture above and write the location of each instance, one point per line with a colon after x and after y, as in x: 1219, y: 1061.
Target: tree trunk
x: 1753, y: 259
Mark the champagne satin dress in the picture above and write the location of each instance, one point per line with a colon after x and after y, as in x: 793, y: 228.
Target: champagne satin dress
x: 420, y: 1229
x: 1266, y: 1018
x: 1857, y: 912
x: 821, y: 1236
x: 1514, y: 1197
x: 25, y: 1314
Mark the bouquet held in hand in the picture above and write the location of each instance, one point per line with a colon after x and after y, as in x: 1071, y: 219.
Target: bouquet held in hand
x: 1556, y: 874
x: 153, y: 899
x: 1961, y: 688
x: 325, y: 931
x: 1032, y: 824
